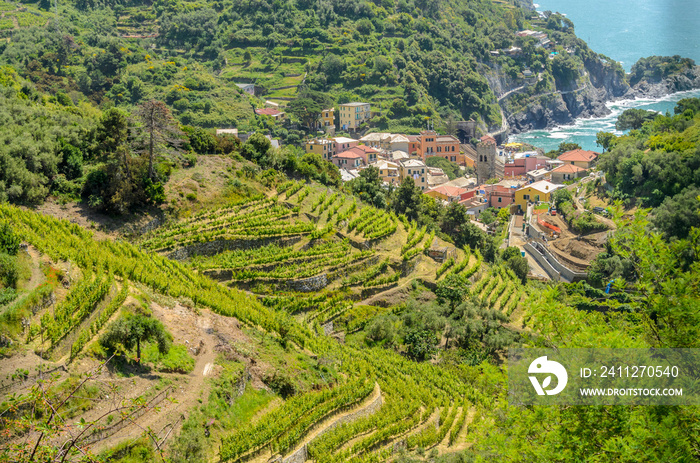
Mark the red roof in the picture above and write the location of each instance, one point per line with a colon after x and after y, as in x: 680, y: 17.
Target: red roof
x: 488, y: 139
x: 449, y: 191
x: 348, y: 155
x: 569, y: 169
x: 364, y: 149
x: 268, y: 112
x: 579, y: 156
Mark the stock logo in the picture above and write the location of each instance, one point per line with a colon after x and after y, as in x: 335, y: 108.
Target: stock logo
x: 550, y: 367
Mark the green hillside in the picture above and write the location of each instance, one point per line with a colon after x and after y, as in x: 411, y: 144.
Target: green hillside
x: 412, y: 361
x: 411, y: 59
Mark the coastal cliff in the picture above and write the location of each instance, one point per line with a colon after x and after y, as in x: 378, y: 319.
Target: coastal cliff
x: 598, y: 83
x: 688, y: 79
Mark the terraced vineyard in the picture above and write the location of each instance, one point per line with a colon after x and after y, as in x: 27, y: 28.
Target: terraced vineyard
x: 413, y: 394
x: 252, y: 219
x: 276, y: 262
x: 379, y: 401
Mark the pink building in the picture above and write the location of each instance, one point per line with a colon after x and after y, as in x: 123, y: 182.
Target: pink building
x: 520, y: 166
x: 499, y: 196
x: 348, y: 160
x: 344, y: 144
x: 368, y: 154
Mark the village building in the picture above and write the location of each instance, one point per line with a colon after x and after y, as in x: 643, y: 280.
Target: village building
x: 353, y: 115
x: 449, y: 193
x: 398, y: 155
x: 388, y: 171
x: 374, y: 139
x: 367, y: 153
x: 436, y: 177
x: 321, y: 146
x: 415, y: 169
x: 533, y: 193
x: 567, y: 172
x: 328, y: 119
x: 348, y: 160
x: 347, y: 175
x: 414, y: 145
x: 396, y: 142
x: 581, y: 158
x: 475, y: 205
x: 499, y: 196
x: 344, y: 143
x: 276, y: 114
x: 524, y: 163
x: 537, y: 175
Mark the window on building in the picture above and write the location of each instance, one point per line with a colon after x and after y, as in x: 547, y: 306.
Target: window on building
x: 499, y: 200
x: 526, y: 197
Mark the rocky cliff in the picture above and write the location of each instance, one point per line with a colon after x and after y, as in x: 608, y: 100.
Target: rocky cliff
x: 600, y: 83
x: 683, y: 81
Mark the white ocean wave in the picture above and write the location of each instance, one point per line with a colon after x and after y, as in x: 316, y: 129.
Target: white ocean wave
x: 583, y: 131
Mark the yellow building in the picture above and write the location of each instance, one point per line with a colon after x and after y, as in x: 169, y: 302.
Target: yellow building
x: 328, y: 118
x: 415, y: 169
x: 388, y: 171
x: 353, y: 115
x: 322, y: 147
x: 534, y: 192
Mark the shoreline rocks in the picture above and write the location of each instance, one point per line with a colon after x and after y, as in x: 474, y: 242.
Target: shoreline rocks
x: 563, y: 108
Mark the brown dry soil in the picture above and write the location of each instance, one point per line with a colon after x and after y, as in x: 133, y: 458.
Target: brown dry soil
x: 575, y: 249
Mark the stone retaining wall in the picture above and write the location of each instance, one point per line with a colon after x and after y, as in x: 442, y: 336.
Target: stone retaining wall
x: 556, y: 269
x: 212, y: 248
x: 308, y: 285
x: 347, y: 270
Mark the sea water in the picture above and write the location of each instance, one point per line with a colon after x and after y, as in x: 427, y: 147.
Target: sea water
x: 624, y: 30
x: 583, y: 131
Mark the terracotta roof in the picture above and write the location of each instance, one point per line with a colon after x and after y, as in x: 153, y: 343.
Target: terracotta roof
x: 348, y: 155
x: 364, y: 149
x: 446, y: 139
x: 569, y: 169
x: 268, y: 112
x: 488, y: 139
x: 579, y: 156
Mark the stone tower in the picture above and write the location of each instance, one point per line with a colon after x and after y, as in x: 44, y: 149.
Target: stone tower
x: 486, y: 161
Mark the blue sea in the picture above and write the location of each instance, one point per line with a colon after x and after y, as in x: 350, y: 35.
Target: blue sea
x: 624, y: 30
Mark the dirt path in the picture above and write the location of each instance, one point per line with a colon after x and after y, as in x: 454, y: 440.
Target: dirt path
x: 198, y: 331
x: 37, y: 276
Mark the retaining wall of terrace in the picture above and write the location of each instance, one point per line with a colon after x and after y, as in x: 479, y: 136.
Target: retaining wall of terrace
x: 307, y: 285
x: 212, y: 248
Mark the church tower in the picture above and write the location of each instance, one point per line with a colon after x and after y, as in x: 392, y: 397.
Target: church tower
x: 486, y: 160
